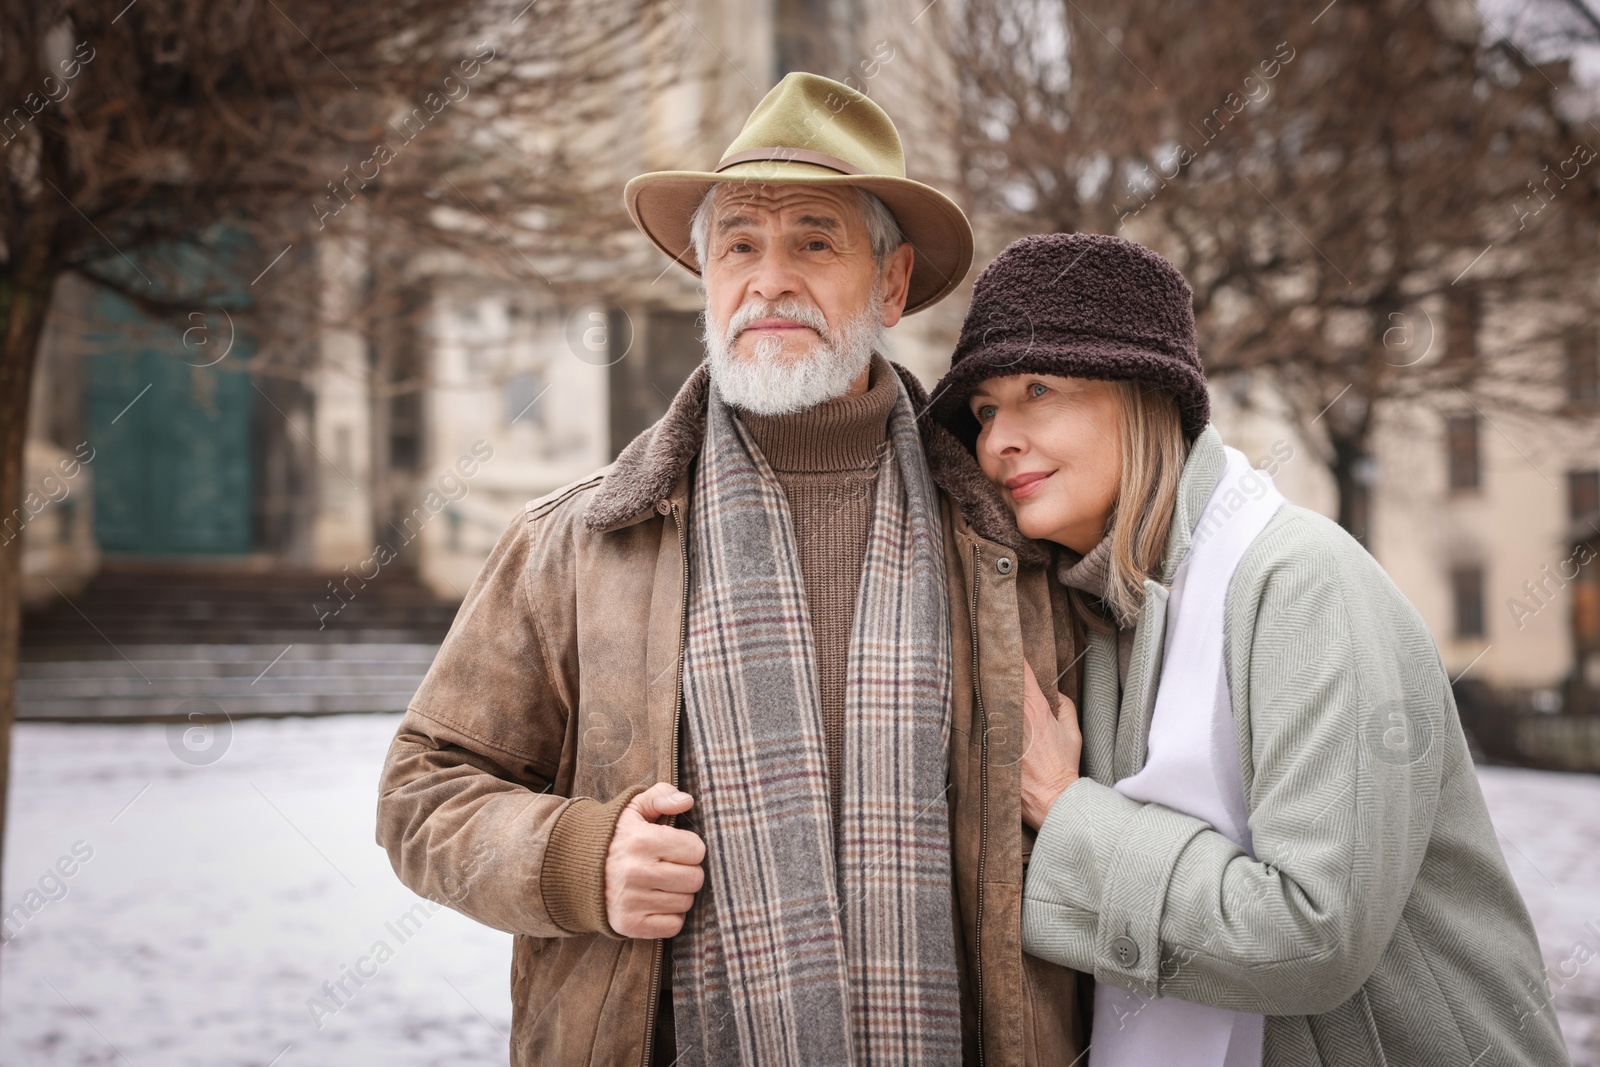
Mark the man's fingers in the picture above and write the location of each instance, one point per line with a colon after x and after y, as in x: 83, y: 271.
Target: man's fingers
x: 659, y: 903
x: 677, y: 846
x: 673, y: 877
x: 643, y: 900
x: 659, y: 800
x: 657, y: 926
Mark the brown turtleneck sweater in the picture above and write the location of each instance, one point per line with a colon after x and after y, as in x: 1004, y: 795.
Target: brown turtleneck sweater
x: 826, y: 459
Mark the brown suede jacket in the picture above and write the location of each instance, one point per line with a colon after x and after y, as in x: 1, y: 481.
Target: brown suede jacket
x: 557, y: 696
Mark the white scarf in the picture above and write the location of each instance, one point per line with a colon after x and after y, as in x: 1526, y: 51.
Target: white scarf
x: 1193, y: 767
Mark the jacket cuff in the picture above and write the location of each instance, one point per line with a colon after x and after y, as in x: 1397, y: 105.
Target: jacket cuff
x: 572, y: 878
x: 1097, y: 885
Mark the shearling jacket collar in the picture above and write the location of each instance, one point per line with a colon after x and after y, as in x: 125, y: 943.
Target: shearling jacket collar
x: 656, y: 462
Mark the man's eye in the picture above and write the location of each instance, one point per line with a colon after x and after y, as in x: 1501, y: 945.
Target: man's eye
x: 741, y: 246
x: 816, y: 246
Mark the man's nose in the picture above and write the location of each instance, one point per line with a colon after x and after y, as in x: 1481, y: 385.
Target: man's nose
x: 775, y: 276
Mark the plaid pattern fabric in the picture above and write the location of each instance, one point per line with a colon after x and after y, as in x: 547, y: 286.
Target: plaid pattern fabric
x: 790, y: 956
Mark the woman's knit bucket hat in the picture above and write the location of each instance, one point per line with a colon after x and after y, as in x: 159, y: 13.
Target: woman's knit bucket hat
x: 1077, y: 305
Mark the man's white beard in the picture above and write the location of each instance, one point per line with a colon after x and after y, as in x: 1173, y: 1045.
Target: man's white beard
x: 766, y: 382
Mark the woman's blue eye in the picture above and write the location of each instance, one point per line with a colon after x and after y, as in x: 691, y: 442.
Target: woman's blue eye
x: 985, y: 412
x: 1037, y: 389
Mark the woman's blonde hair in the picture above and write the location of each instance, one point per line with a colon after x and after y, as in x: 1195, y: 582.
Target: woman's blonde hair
x: 1154, y: 451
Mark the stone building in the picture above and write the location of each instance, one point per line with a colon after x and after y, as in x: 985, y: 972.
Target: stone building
x: 410, y: 446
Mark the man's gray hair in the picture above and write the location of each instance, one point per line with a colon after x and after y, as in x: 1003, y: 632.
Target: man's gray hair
x: 882, y: 230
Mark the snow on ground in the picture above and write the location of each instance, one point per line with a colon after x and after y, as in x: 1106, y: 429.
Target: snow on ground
x: 215, y: 905
x: 216, y: 899
x: 1549, y: 826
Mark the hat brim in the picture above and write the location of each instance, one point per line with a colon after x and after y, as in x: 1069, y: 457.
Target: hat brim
x: 662, y: 204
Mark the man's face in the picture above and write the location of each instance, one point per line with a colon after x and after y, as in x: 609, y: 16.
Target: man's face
x: 795, y: 302
x: 802, y: 242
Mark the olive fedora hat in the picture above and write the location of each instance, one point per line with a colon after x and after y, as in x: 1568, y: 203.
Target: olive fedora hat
x: 813, y: 130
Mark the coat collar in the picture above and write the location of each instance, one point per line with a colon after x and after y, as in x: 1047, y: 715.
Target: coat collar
x: 1201, y: 473
x: 655, y: 467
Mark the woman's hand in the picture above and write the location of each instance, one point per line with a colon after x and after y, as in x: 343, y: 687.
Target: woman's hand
x: 1051, y: 745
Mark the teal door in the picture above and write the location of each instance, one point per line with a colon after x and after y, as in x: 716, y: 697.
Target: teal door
x: 172, y: 450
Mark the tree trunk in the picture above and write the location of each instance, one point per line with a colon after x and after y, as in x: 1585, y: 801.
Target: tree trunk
x: 1350, y: 476
x: 24, y: 304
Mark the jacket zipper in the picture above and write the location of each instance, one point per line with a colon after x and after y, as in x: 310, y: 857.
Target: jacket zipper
x: 983, y: 773
x: 677, y: 715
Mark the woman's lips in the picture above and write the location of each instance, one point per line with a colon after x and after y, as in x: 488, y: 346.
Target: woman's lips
x: 1024, y: 485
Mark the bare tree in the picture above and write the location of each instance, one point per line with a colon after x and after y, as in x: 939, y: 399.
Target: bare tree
x: 127, y: 137
x: 1338, y: 183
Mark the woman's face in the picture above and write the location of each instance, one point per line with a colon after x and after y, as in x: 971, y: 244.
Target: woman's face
x: 1053, y: 448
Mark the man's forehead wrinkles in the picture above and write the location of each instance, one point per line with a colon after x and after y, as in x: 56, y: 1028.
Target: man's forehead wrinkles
x: 779, y: 200
x: 821, y: 222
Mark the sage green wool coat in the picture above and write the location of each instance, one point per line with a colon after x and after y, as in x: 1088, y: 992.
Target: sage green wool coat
x: 1378, y: 923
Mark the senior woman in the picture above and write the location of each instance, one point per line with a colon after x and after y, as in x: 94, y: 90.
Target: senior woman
x: 1275, y: 853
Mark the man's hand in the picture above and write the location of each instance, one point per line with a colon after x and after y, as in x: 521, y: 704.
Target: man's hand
x: 652, y: 871
x: 1051, y: 746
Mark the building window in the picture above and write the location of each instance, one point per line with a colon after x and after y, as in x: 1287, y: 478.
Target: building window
x: 1461, y: 436
x: 1462, y: 317
x: 641, y: 386
x: 1586, y: 613
x: 1466, y: 587
x: 1583, y: 494
x: 1583, y: 368
x: 522, y: 393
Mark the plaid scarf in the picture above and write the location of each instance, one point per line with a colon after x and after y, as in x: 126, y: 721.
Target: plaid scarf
x: 791, y: 955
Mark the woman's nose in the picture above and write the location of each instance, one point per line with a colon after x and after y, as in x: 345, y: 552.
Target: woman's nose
x: 997, y: 443
x: 1001, y: 437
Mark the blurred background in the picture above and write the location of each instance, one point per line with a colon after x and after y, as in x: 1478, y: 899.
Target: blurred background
x: 300, y: 301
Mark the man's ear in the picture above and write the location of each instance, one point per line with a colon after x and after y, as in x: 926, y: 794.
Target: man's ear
x: 895, y: 280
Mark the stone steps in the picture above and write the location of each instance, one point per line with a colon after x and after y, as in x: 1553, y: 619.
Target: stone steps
x: 128, y: 605
x: 165, y: 683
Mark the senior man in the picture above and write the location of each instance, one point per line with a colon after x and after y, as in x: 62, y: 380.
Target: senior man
x: 728, y: 734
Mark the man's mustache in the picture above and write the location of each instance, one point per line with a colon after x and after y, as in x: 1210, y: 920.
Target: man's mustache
x: 795, y: 311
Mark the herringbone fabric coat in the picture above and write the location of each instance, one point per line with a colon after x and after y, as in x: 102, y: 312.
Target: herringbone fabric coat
x: 1378, y: 924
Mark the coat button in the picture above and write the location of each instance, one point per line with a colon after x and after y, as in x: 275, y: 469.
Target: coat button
x: 1003, y: 564
x: 664, y: 507
x: 1125, y: 950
